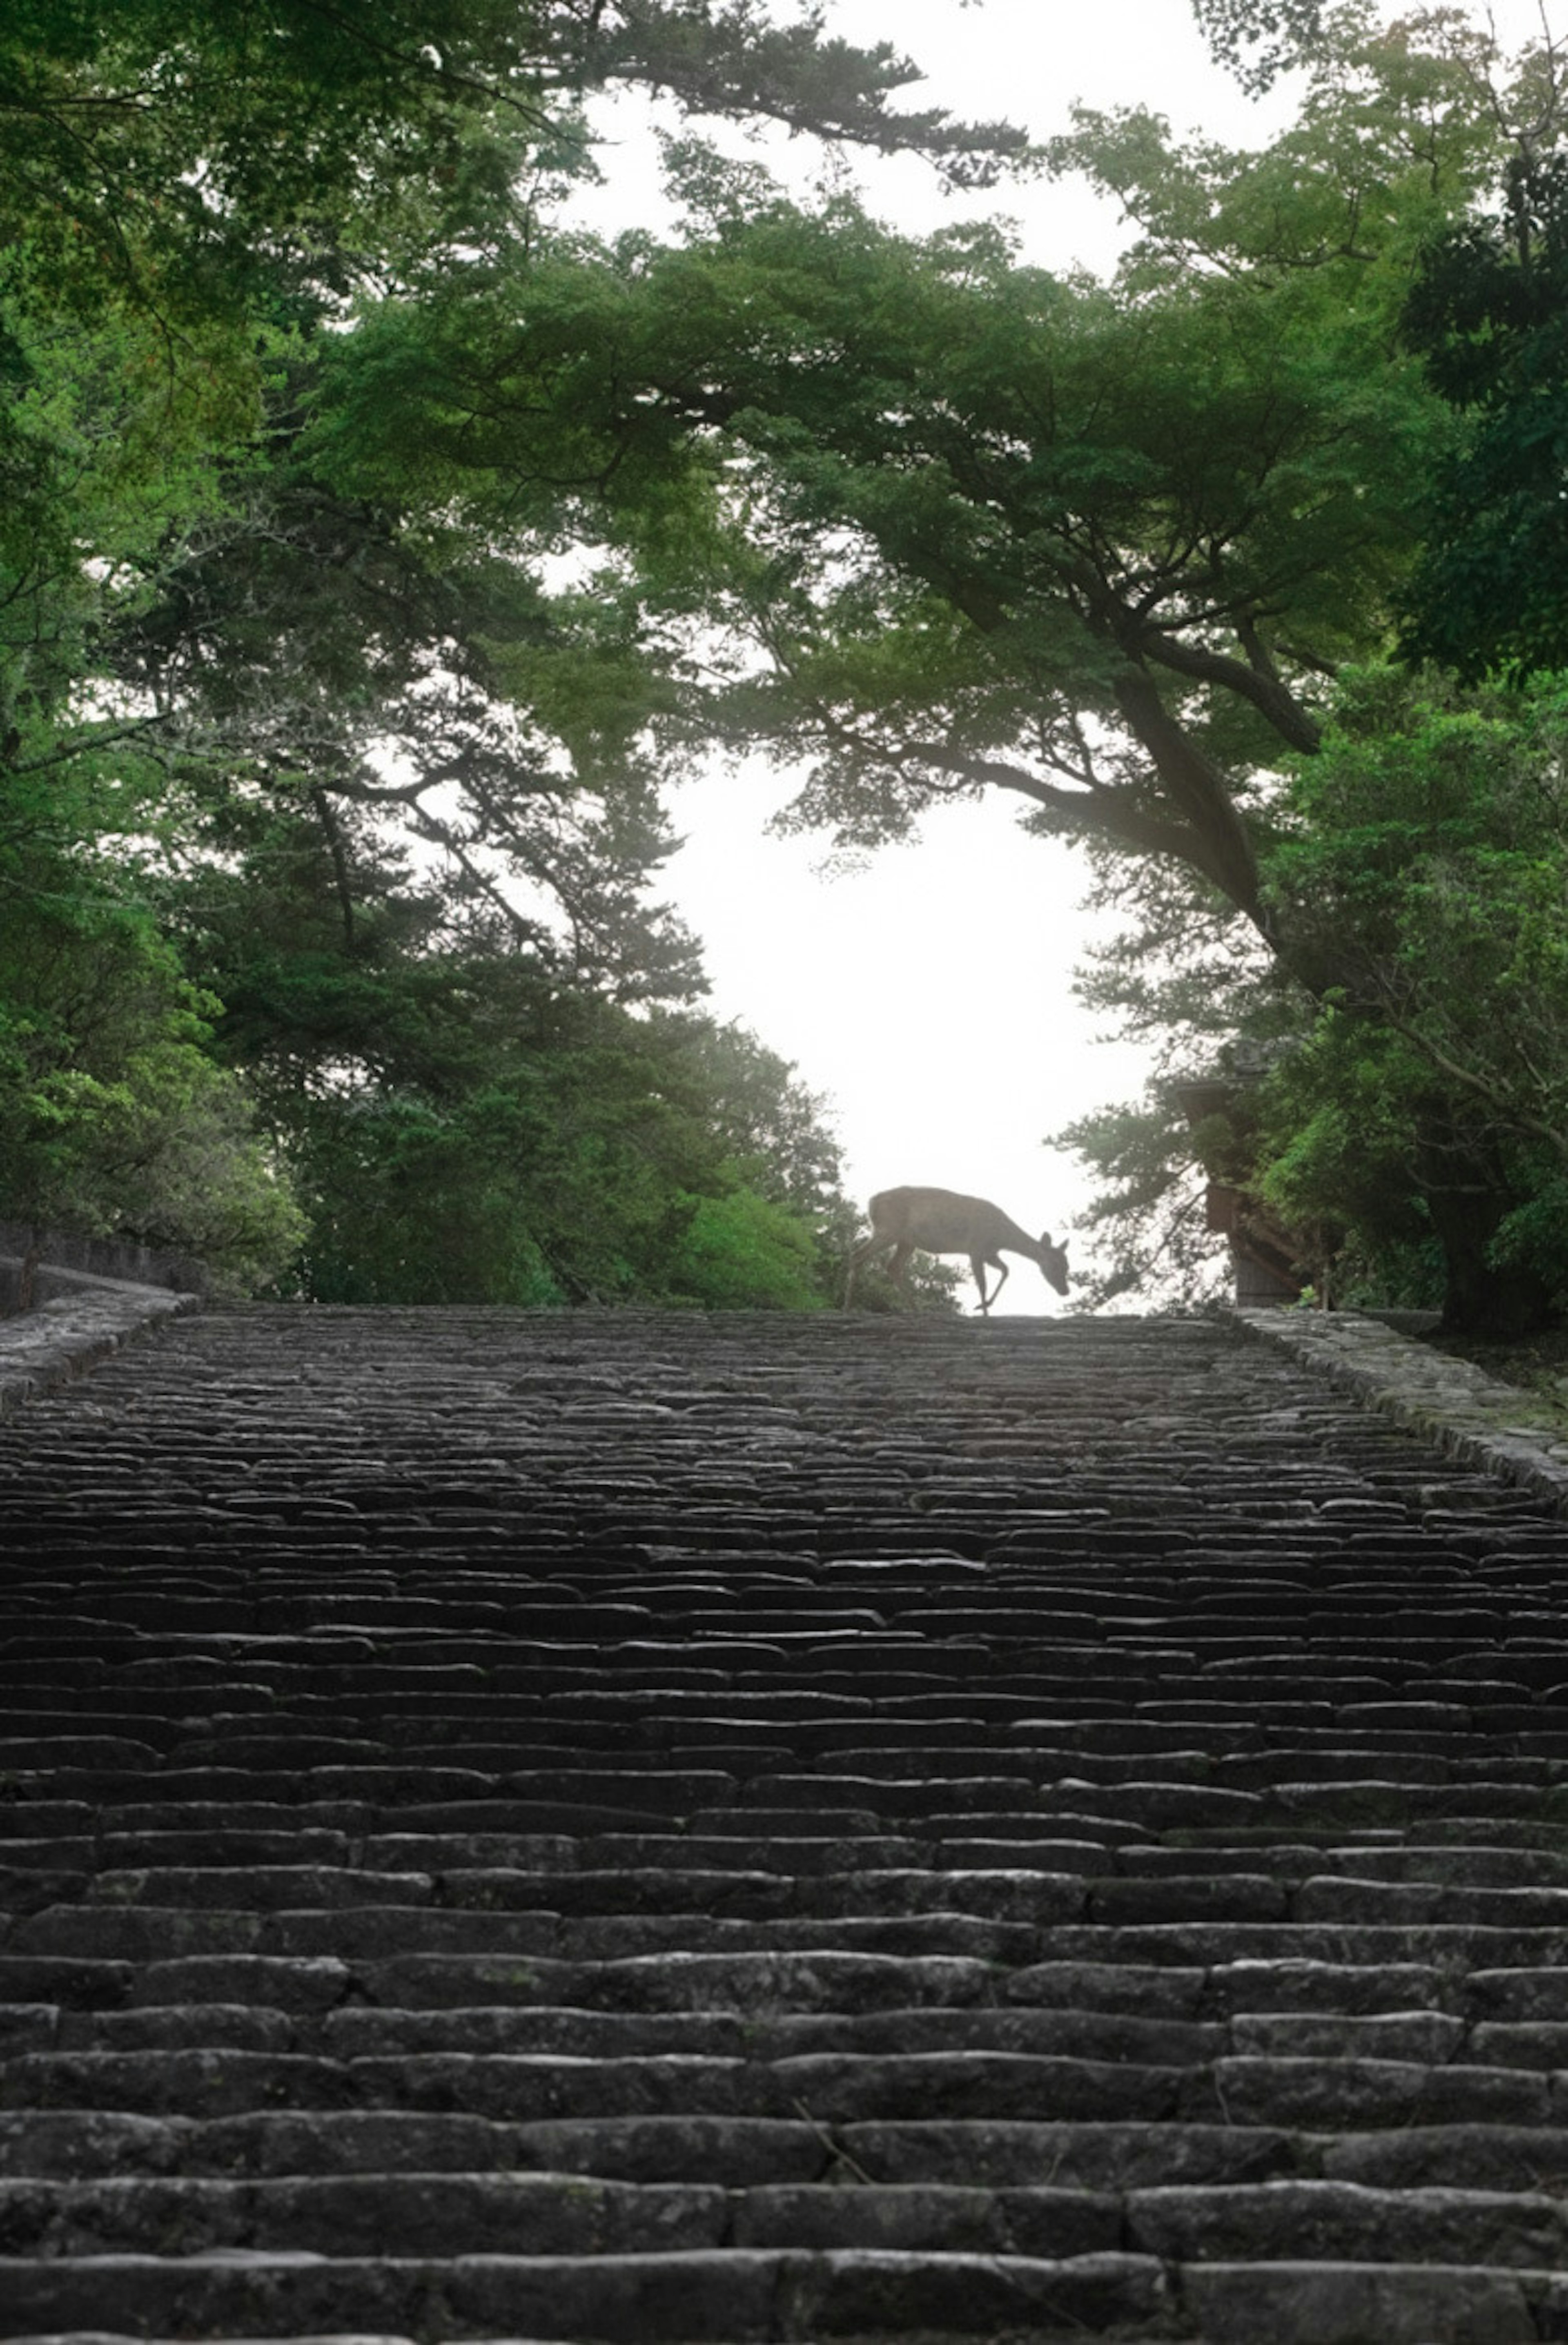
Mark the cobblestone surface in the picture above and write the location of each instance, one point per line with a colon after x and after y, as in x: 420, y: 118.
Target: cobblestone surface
x: 1469, y: 1414
x: 1490, y: 1425
x: 622, y: 1827
x: 83, y: 1320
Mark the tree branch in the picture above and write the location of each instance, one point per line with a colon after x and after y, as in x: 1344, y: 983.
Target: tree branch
x: 1115, y: 814
x: 1252, y: 679
x: 334, y: 836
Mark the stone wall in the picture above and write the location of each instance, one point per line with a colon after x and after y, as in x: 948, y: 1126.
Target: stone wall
x: 65, y: 1261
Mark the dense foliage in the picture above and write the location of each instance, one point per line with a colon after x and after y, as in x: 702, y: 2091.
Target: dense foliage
x: 1109, y: 548
x: 1488, y: 312
x: 1396, y: 1074
x: 372, y: 546
x: 328, y: 808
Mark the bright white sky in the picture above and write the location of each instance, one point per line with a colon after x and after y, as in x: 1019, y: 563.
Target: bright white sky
x: 930, y: 994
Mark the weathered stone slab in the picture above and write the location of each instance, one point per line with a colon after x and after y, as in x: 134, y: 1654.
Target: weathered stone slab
x: 1298, y: 2302
x: 1088, y: 2154
x: 1322, y: 2096
x: 1345, y: 2222
x: 431, y: 2215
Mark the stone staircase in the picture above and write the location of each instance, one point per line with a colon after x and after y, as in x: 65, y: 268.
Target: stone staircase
x: 643, y: 1829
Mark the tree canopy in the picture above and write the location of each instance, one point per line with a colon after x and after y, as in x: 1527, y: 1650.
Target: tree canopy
x: 329, y: 820
x: 975, y: 526
x: 1488, y: 311
x: 968, y: 524
x: 373, y: 544
x: 1261, y: 39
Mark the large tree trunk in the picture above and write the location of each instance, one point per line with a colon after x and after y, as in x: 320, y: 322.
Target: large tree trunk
x: 28, y: 1272
x: 1478, y: 1297
x: 1460, y: 1173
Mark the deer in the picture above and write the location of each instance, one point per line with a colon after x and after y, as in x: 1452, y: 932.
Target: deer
x: 939, y: 1220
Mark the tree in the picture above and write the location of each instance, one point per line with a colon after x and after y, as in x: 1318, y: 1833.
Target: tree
x: 466, y: 1117
x: 569, y: 1159
x: 985, y: 528
x: 1488, y: 311
x: 1261, y: 39
x: 741, y: 1251
x: 188, y: 198
x: 1181, y: 974
x: 150, y: 141
x: 1408, y: 1121
x: 1428, y: 849
x: 301, y: 696
x: 1100, y: 547
x: 972, y: 526
x: 189, y: 202
x: 767, y: 1119
x: 114, y: 1118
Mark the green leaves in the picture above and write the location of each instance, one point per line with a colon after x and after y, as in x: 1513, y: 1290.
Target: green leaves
x: 112, y: 1117
x: 994, y: 529
x: 586, y: 1158
x: 1426, y: 871
x: 1488, y: 311
x: 739, y: 1252
x: 1259, y: 39
x: 298, y: 435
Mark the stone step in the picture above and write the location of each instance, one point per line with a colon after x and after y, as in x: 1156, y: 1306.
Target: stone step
x: 508, y: 2030
x: 835, y: 2087
x: 738, y: 2294
x: 1420, y: 2037
x: 1348, y: 2222
x: 1313, y: 2092
x: 1469, y: 1850
x: 720, y: 2294
x: 444, y: 2213
x: 852, y: 2292
x: 85, y: 2144
x: 621, y: 1825
x: 1303, y: 2301
x: 447, y: 2214
x: 441, y: 2214
x: 1044, y: 1898
x: 1300, y: 2303
x: 708, y: 2151
x: 356, y: 1934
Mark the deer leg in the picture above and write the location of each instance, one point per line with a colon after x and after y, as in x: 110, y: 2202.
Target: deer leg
x: 860, y: 1253
x: 977, y: 1262
x: 863, y: 1252
x: 899, y: 1268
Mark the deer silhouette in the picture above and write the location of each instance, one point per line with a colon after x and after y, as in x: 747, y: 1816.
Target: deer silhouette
x: 939, y: 1220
